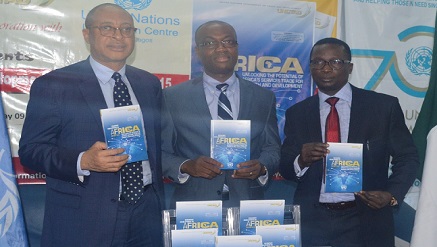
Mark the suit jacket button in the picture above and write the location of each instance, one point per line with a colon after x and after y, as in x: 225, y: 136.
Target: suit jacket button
x: 219, y: 192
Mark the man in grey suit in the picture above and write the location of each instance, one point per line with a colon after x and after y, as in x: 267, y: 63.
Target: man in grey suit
x: 188, y: 109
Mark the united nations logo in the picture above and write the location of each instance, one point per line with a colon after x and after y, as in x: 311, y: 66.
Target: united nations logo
x: 419, y: 60
x: 133, y: 4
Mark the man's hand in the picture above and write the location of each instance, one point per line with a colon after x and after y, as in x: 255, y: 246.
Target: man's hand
x: 312, y: 152
x: 251, y: 169
x: 375, y: 199
x: 100, y: 159
x: 203, y: 167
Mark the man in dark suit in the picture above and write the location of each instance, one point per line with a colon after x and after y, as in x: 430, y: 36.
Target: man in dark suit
x: 376, y: 120
x: 187, y: 114
x: 63, y: 138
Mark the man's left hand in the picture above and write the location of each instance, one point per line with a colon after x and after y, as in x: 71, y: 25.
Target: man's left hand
x: 375, y: 199
x: 251, y: 169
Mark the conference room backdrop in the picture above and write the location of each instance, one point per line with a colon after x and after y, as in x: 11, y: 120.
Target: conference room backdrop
x: 391, y: 43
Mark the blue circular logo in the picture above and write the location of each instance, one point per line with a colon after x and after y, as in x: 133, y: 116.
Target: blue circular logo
x: 419, y: 60
x: 133, y: 4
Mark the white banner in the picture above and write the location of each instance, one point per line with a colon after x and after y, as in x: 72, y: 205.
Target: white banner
x: 391, y: 42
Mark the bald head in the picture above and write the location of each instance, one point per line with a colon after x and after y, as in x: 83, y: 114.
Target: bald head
x: 90, y: 18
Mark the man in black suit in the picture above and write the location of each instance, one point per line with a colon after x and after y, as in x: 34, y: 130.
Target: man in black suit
x: 376, y: 120
x: 63, y: 138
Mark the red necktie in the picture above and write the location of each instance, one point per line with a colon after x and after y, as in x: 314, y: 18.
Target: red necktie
x: 332, y: 127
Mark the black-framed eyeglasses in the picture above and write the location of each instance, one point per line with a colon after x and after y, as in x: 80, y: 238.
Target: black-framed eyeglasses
x: 109, y: 31
x: 228, y: 43
x: 334, y: 63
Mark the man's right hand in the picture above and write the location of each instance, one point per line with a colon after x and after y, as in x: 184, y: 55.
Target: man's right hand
x: 100, y: 159
x: 203, y: 167
x: 312, y: 152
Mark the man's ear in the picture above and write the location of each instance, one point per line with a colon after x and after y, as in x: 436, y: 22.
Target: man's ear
x: 86, y: 35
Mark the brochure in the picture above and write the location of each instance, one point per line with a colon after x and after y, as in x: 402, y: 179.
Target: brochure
x: 230, y: 142
x: 199, y: 215
x: 255, y: 213
x: 282, y: 235
x: 194, y: 237
x: 123, y: 128
x: 238, y: 240
x: 344, y: 167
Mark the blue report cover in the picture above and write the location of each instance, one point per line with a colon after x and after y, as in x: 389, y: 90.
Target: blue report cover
x: 123, y: 128
x: 194, y: 237
x: 255, y: 213
x: 344, y: 167
x: 230, y: 142
x: 199, y: 215
x: 282, y: 235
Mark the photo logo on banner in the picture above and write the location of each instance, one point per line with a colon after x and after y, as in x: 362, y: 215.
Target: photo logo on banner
x: 417, y: 60
x: 137, y: 5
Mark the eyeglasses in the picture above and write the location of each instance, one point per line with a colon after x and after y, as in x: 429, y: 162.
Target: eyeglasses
x: 334, y: 63
x: 216, y: 44
x: 109, y: 31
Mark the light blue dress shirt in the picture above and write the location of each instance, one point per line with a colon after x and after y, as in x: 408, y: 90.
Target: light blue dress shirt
x: 104, y: 76
x: 212, y: 94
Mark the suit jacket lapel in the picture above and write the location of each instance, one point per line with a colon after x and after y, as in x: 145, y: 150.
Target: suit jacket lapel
x: 312, y: 119
x: 199, y: 104
x: 358, y: 110
x: 245, y: 99
x: 91, y: 91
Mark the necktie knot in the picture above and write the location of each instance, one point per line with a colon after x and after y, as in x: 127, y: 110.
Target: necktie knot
x: 121, y: 92
x: 116, y: 76
x: 222, y: 87
x: 332, y: 101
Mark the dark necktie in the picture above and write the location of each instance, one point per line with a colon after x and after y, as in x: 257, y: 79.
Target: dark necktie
x: 224, y: 106
x: 332, y: 127
x: 131, y: 173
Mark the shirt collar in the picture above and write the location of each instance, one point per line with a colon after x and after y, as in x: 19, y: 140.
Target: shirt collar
x: 103, y: 73
x: 211, y: 83
x: 345, y: 93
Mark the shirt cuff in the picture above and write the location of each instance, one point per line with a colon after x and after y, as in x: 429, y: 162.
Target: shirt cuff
x: 264, y: 178
x: 183, y: 177
x: 81, y: 173
x: 299, y: 172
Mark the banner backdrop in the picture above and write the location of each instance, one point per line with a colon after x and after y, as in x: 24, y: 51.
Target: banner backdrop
x: 390, y: 40
x: 274, y: 57
x: 391, y: 44
x: 42, y: 35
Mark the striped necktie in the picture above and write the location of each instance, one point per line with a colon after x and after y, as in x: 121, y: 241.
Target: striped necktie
x: 224, y: 106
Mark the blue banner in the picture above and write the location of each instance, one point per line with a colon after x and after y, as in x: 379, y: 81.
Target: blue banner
x: 275, y: 40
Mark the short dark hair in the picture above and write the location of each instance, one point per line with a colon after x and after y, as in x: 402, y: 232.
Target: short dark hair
x: 334, y: 41
x: 89, y: 20
x: 196, y: 37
